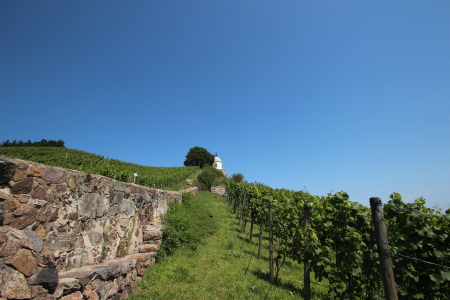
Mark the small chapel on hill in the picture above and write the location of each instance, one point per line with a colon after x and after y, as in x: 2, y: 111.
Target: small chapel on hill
x: 218, y: 164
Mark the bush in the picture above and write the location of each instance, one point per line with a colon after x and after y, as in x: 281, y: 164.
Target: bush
x: 237, y: 177
x: 186, y: 225
x: 209, y: 177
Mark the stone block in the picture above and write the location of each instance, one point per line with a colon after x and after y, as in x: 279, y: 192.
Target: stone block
x: 22, y: 217
x: 148, y: 248
x: 41, y: 182
x: 36, y: 171
x: 46, y: 276
x: 89, y: 292
x: 116, y: 197
x: 37, y: 202
x: 19, y: 175
x: 41, y: 231
x: 47, y: 259
x: 91, y: 205
x: 108, y: 271
x: 128, y: 208
x: 52, y: 175
x: 16, y: 287
x: 102, y: 288
x: 7, y: 170
x: 39, y: 192
x: 152, y: 235
x: 119, y: 186
x: 38, y: 291
x: 24, y: 262
x: 10, y: 246
x: 22, y: 198
x: 82, y: 274
x: 4, y: 196
x: 33, y: 241
x: 23, y: 187
x: 74, y: 296
x: 72, y: 183
x: 67, y: 286
x: 11, y: 204
x: 127, y: 292
x: 44, y: 213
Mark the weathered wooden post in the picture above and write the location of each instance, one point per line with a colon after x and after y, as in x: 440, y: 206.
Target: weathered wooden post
x: 387, y: 273
x: 261, y: 227
x: 271, y: 242
x: 306, y: 266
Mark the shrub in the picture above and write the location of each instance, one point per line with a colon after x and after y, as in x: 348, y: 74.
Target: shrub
x: 208, y: 177
x: 186, y: 225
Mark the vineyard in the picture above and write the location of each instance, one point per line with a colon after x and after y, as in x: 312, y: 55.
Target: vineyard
x: 155, y: 177
x: 334, y: 238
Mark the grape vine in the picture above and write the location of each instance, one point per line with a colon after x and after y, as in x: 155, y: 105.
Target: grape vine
x: 342, y: 247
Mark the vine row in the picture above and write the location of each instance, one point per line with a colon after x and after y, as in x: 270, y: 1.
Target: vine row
x: 342, y: 251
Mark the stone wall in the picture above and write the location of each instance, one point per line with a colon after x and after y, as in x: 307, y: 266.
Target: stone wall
x: 220, y: 190
x: 66, y: 234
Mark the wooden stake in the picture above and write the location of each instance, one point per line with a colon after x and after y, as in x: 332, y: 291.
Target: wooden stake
x: 306, y: 265
x: 261, y: 227
x: 271, y: 242
x: 387, y: 273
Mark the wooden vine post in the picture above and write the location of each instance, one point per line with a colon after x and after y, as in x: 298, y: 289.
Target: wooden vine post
x: 306, y: 265
x: 387, y: 273
x: 244, y: 212
x: 261, y: 227
x: 271, y: 242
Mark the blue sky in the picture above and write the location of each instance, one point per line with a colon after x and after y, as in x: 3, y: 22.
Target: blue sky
x: 322, y: 95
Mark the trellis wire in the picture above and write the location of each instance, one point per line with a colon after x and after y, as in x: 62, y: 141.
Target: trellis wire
x: 416, y: 211
x: 389, y: 252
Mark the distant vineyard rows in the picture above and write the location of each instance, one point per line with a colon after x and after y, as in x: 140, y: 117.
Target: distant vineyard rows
x: 155, y: 177
x: 342, y: 247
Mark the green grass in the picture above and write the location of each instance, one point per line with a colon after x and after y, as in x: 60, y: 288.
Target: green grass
x: 219, y: 263
x: 167, y: 178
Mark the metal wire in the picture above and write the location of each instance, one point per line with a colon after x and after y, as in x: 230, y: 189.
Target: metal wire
x: 389, y: 252
x: 416, y: 211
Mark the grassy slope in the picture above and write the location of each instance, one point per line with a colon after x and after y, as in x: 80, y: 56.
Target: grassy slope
x: 215, y: 268
x: 168, y: 178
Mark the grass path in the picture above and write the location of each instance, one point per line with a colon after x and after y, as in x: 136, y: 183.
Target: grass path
x: 217, y: 267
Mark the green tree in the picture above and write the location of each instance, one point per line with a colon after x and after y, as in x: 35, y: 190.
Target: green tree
x: 198, y: 156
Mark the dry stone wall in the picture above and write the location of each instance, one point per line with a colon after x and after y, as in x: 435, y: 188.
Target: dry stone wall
x: 66, y: 234
x: 220, y: 190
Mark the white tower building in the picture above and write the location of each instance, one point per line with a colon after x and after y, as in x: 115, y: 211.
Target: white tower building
x: 217, y: 163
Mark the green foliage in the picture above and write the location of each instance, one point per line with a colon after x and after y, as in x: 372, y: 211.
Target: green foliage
x: 209, y: 177
x: 186, y: 225
x: 155, y: 177
x: 423, y: 233
x: 41, y: 143
x: 199, y: 157
x: 237, y: 177
x: 342, y: 245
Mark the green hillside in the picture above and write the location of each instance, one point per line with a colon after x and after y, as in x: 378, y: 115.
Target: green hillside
x: 155, y: 177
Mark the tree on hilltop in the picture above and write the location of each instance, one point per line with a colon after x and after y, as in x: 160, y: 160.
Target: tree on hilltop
x: 41, y: 143
x: 198, y: 156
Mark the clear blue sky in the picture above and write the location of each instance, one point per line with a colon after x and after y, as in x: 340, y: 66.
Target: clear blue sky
x: 323, y: 95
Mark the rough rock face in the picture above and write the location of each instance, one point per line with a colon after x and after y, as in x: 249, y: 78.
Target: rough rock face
x: 7, y: 169
x: 66, y: 234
